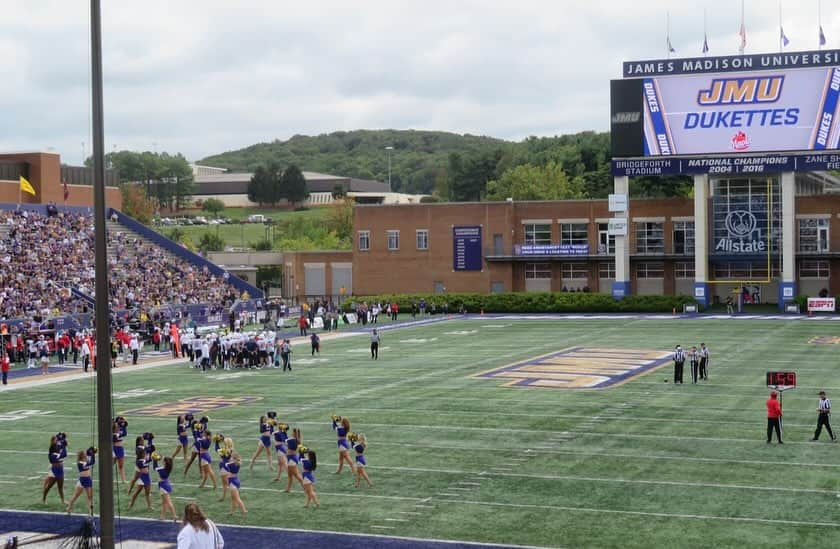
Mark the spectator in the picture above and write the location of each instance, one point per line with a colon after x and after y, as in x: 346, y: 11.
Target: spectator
x: 199, y: 532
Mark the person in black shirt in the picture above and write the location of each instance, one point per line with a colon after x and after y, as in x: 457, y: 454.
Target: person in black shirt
x: 823, y: 414
x: 679, y: 361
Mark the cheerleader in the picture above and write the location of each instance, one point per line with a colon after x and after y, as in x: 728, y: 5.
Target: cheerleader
x: 293, y: 459
x: 144, y: 480
x: 55, y: 476
x: 197, y: 428
x: 233, y: 482
x: 264, y: 444
x: 224, y: 447
x: 86, y: 460
x: 164, y: 486
x: 139, y: 449
x: 341, y: 426
x: 118, y: 450
x: 308, y: 463
x: 205, y: 462
x: 359, y: 445
x: 280, y: 437
x: 183, y: 441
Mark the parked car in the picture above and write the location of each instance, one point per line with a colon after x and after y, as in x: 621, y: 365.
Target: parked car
x: 256, y: 218
x: 200, y: 220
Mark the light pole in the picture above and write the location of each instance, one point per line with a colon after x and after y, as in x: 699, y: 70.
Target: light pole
x: 389, y: 148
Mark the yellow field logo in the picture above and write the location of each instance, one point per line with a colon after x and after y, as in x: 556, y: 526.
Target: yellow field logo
x: 825, y: 340
x: 580, y: 368
x: 192, y: 405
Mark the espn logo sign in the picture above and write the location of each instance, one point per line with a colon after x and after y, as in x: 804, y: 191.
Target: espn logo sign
x: 626, y: 117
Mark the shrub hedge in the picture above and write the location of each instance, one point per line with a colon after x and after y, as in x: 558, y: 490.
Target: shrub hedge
x: 533, y: 302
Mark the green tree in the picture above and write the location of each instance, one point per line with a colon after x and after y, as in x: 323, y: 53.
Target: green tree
x: 340, y: 219
x: 211, y: 242
x: 263, y: 245
x: 293, y: 185
x: 528, y: 182
x: 338, y: 191
x: 135, y: 203
x: 213, y: 206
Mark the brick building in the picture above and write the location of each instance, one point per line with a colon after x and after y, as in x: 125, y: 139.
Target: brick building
x: 552, y: 246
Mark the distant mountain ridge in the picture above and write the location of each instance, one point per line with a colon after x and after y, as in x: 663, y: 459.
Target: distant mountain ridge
x: 417, y: 158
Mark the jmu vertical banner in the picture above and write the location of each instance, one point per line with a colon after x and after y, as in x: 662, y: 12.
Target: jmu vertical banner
x: 466, y: 248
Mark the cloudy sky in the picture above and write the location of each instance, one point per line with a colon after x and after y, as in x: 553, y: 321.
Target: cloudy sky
x: 205, y: 76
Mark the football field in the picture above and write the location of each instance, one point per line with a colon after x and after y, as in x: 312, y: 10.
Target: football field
x: 473, y: 437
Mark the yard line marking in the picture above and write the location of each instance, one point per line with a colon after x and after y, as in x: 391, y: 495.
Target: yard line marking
x: 409, y: 512
x: 33, y: 478
x: 396, y: 520
x: 647, y: 513
x: 382, y: 527
x: 459, y: 488
x: 462, y: 482
x: 447, y: 495
x: 425, y: 506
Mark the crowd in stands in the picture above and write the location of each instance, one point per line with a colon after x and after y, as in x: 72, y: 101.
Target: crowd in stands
x: 42, y: 257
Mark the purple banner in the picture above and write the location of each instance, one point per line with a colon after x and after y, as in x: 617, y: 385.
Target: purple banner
x: 551, y: 249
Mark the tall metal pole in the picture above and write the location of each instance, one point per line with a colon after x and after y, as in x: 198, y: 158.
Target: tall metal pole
x: 103, y: 359
x: 389, y: 149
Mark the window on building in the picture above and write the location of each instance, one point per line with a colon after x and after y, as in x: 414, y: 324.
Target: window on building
x: 535, y: 271
x: 422, y: 239
x: 538, y: 233
x: 574, y: 233
x: 813, y: 235
x: 606, y: 269
x: 574, y: 271
x: 364, y: 240
x: 813, y: 269
x: 606, y: 242
x: 393, y: 240
x: 650, y: 269
x: 684, y: 237
x: 650, y: 237
x: 684, y: 269
x: 743, y: 270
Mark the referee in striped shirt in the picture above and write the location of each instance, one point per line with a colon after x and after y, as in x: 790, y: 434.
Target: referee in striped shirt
x: 679, y: 362
x: 823, y: 414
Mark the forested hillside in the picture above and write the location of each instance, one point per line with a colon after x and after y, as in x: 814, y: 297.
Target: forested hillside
x: 456, y: 167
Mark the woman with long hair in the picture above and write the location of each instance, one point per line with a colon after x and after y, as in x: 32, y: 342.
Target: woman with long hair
x: 118, y: 449
x: 55, y: 476
x: 309, y: 462
x: 359, y: 445
x: 144, y: 480
x: 205, y: 462
x: 164, y: 486
x: 86, y: 460
x: 198, y: 428
x: 280, y: 437
x: 182, y: 430
x: 224, y: 450
x: 233, y: 483
x: 341, y: 426
x: 198, y: 530
x: 293, y: 459
x: 139, y: 448
x: 264, y: 443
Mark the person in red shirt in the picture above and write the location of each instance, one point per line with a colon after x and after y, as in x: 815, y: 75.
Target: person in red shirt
x: 5, y: 366
x: 774, y: 418
x: 303, y: 323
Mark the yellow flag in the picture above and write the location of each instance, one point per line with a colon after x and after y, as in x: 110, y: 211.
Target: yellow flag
x: 26, y: 186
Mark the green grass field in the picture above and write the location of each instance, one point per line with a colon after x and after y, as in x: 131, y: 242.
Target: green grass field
x: 644, y: 464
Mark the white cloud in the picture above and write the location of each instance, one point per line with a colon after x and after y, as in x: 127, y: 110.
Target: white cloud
x: 202, y: 77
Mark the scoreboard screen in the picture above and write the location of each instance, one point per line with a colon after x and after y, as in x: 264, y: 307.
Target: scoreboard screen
x: 785, y: 379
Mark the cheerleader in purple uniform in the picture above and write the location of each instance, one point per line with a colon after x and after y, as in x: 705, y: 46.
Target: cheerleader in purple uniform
x: 142, y: 444
x: 55, y: 476
x: 86, y: 460
x: 164, y: 486
x: 359, y: 445
x: 197, y: 428
x: 264, y: 443
x: 144, y: 480
x: 280, y: 437
x: 225, y: 449
x: 205, y: 462
x: 308, y: 462
x: 341, y: 426
x: 233, y: 482
x: 293, y: 459
x: 183, y: 430
x: 118, y: 450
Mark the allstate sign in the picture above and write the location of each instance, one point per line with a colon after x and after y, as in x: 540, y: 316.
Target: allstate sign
x: 743, y: 234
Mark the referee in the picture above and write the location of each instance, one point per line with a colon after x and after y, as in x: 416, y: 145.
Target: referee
x: 823, y: 414
x: 679, y: 362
